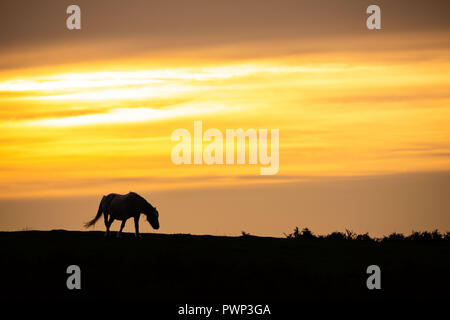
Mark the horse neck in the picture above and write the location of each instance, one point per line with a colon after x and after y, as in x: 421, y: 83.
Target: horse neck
x: 143, y: 204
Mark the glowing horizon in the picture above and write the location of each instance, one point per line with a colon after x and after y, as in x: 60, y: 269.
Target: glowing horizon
x: 238, y: 95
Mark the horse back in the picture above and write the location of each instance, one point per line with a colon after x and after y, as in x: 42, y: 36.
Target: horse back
x: 129, y: 202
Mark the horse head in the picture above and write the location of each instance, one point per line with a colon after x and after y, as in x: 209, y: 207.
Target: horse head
x: 152, y: 216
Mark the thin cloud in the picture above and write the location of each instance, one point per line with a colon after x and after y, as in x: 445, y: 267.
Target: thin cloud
x: 127, y: 115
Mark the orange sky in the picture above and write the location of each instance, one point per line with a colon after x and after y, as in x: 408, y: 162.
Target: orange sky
x: 85, y: 113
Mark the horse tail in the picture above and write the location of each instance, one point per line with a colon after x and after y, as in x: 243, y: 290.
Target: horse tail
x: 99, y: 214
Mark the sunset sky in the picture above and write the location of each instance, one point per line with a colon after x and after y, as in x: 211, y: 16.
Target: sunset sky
x: 363, y: 116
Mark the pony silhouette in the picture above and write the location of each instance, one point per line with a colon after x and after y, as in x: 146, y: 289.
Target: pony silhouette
x: 122, y: 207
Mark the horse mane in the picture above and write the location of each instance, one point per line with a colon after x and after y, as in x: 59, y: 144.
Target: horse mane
x: 141, y: 199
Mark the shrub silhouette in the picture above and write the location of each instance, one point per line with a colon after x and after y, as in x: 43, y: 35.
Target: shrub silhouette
x: 335, y: 236
x: 245, y: 234
x: 394, y: 237
x: 306, y: 234
x: 417, y: 236
x: 426, y: 236
x: 363, y: 237
x: 350, y: 235
x: 293, y: 235
x: 436, y: 235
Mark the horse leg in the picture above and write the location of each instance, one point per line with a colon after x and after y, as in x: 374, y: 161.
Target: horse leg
x: 111, y: 219
x: 136, y: 226
x: 121, y: 228
x: 105, y: 215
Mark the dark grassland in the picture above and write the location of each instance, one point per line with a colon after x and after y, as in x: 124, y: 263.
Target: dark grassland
x: 161, y: 266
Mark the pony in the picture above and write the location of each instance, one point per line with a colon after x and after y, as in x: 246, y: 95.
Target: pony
x: 122, y: 207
